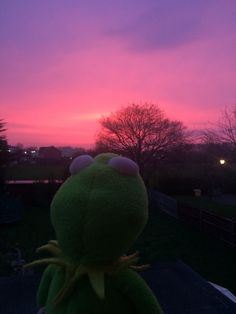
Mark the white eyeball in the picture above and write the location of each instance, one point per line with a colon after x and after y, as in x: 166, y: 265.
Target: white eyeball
x: 80, y: 163
x: 124, y: 165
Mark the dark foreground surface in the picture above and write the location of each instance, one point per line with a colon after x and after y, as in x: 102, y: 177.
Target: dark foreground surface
x: 179, y: 290
x: 182, y: 291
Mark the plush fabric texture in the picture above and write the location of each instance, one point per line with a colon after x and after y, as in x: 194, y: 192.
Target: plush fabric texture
x: 124, y: 165
x: 97, y: 215
x: 80, y: 162
x: 126, y: 293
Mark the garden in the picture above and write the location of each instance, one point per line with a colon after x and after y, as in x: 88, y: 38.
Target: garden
x: 163, y: 239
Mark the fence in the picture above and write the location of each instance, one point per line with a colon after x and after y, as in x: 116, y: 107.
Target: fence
x: 220, y: 227
x: 164, y: 202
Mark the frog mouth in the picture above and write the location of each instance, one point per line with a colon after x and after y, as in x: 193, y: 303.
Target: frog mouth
x: 95, y: 272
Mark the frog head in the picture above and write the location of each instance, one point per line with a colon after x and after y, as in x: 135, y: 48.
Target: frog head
x: 100, y: 210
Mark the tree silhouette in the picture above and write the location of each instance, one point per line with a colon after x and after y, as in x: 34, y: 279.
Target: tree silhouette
x: 3, y: 141
x: 224, y: 130
x: 141, y: 132
x: 3, y: 150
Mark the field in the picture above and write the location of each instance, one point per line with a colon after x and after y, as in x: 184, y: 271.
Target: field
x: 163, y: 239
x: 35, y: 172
x: 33, y: 231
x: 210, y: 204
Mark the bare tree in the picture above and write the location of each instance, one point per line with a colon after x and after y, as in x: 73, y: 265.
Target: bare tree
x: 227, y: 126
x: 3, y: 152
x: 209, y: 136
x: 2, y: 129
x: 141, y: 132
x: 224, y: 130
x: 3, y: 142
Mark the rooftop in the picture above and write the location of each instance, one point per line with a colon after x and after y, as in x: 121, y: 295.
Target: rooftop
x: 178, y: 288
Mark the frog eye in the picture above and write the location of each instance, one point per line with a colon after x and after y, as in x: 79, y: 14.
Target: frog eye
x: 124, y: 165
x: 80, y: 163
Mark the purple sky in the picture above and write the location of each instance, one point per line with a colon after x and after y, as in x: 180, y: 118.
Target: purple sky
x: 65, y: 63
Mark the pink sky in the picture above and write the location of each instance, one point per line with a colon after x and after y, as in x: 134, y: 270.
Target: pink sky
x: 66, y: 63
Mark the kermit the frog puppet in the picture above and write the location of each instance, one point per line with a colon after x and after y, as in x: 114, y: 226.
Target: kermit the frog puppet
x: 97, y: 214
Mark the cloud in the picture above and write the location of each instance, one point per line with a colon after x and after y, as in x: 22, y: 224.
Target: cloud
x: 41, y: 32
x: 89, y: 116
x: 21, y: 126
x: 169, y: 24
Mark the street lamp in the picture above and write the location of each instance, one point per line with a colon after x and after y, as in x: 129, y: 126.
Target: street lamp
x: 222, y: 161
x: 222, y: 166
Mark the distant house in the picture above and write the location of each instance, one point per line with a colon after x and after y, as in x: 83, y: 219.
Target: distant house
x: 49, y: 153
x: 69, y: 152
x: 66, y: 151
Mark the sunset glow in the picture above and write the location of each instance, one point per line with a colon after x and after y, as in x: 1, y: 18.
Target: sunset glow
x: 64, y: 64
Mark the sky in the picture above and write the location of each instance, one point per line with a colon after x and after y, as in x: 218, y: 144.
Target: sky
x: 66, y: 63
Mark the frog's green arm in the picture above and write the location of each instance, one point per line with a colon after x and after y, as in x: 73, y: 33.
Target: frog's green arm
x: 135, y: 288
x: 44, y: 285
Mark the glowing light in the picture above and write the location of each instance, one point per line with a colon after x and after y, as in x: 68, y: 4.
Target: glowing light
x: 222, y: 161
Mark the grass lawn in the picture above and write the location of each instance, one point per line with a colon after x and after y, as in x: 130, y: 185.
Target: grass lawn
x: 204, y: 202
x: 33, y: 231
x: 163, y: 239
x: 35, y: 172
x: 166, y: 239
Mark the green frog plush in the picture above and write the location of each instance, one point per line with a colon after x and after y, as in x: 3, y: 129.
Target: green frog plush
x: 97, y: 214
